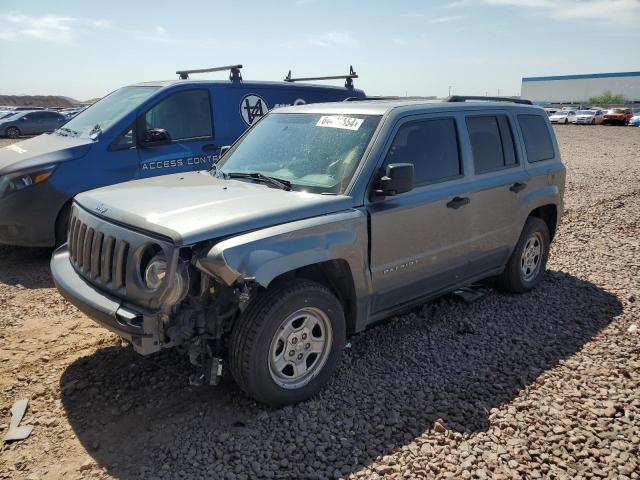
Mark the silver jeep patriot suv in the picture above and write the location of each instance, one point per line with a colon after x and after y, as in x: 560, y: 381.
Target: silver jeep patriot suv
x: 320, y: 220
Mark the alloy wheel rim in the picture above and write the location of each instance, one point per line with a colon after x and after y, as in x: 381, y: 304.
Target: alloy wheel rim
x: 531, y: 257
x: 300, y: 347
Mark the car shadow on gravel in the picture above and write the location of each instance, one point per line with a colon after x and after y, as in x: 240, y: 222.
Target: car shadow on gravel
x: 24, y: 266
x: 440, y: 368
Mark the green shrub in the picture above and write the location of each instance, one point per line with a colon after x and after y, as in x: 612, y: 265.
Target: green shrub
x: 607, y: 97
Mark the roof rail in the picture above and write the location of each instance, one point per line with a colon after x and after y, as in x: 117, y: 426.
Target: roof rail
x: 234, y: 72
x: 391, y: 97
x: 348, y: 78
x: 464, y: 98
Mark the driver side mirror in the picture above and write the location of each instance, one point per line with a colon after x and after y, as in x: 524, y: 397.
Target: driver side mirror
x: 397, y: 179
x: 156, y: 136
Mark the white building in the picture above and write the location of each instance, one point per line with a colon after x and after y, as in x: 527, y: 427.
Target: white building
x: 578, y: 88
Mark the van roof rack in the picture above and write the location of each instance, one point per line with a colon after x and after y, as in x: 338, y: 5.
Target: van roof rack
x: 390, y: 97
x: 464, y: 98
x: 234, y: 72
x: 348, y: 78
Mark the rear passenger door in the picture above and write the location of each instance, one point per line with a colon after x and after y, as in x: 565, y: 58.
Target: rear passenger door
x: 187, y: 116
x: 419, y: 238
x: 499, y: 185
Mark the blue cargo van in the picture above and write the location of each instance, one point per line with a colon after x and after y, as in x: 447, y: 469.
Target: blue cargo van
x: 138, y: 131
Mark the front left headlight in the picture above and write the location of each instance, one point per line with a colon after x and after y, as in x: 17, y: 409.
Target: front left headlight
x: 13, y: 182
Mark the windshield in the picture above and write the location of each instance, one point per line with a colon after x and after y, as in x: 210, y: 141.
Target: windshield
x: 315, y: 153
x: 107, y: 111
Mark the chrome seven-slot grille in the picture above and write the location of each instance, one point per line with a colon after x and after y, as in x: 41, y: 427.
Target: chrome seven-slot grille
x: 99, y: 257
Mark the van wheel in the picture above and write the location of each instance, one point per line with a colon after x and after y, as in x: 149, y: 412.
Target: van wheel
x: 287, y: 343
x: 528, y: 261
x: 13, y: 132
x: 62, y: 225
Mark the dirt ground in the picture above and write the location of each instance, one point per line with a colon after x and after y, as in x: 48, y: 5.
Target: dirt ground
x: 545, y: 384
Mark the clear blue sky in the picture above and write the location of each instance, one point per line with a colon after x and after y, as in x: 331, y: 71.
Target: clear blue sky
x: 85, y: 49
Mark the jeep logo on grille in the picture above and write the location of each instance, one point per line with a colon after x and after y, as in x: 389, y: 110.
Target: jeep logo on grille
x: 102, y: 208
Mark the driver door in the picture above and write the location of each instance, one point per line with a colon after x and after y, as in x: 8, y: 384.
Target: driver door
x: 187, y: 118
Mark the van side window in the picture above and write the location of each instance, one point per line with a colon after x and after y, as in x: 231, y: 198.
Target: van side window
x: 537, y: 141
x: 432, y: 147
x: 491, y: 142
x: 125, y: 140
x: 185, y: 115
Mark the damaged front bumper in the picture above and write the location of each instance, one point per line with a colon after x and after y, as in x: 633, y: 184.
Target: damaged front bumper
x: 142, y: 329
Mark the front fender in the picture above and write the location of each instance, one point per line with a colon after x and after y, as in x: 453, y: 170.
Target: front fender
x: 266, y: 254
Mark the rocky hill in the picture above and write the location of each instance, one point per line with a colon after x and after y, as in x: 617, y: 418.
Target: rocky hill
x: 49, y: 101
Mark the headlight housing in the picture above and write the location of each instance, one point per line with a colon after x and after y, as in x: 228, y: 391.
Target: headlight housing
x: 155, y: 274
x: 13, y: 182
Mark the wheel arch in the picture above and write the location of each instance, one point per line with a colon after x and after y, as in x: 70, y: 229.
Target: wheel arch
x: 336, y: 275
x: 549, y: 214
x: 64, y: 210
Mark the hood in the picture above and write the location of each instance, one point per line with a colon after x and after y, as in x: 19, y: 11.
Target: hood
x: 42, y: 150
x: 585, y: 115
x: 192, y: 207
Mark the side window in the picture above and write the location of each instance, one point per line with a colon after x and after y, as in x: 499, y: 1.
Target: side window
x: 185, y: 115
x: 491, y: 142
x: 124, y: 141
x: 432, y: 147
x: 537, y: 140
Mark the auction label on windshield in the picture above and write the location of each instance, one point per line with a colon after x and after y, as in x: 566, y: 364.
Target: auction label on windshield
x: 339, y: 121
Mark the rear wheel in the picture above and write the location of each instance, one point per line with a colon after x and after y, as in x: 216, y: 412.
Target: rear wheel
x: 528, y: 260
x: 13, y: 132
x: 287, y: 343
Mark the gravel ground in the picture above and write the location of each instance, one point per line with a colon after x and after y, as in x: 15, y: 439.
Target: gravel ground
x: 512, y: 386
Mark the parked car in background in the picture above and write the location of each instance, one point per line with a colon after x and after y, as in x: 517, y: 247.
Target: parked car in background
x: 635, y: 121
x: 30, y: 123
x: 319, y: 222
x: 550, y: 111
x: 577, y: 107
x: 563, y: 116
x: 617, y: 116
x: 19, y: 109
x: 138, y: 131
x: 589, y: 117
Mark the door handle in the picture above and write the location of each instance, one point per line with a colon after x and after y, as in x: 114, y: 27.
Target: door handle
x: 208, y: 147
x: 517, y: 187
x: 458, y: 202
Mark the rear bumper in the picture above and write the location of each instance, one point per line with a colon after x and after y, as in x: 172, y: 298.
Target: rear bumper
x: 142, y: 330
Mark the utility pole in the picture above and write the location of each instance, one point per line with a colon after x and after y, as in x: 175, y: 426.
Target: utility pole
x: 449, y: 90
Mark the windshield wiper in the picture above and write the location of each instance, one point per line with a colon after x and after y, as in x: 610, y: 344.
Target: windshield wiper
x: 260, y: 177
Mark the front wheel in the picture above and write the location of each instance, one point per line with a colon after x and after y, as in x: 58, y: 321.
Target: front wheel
x: 13, y: 132
x: 287, y: 343
x: 566, y: 121
x: 528, y: 260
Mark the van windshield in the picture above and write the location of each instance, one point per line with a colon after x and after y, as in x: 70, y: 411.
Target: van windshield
x: 311, y: 152
x: 104, y: 113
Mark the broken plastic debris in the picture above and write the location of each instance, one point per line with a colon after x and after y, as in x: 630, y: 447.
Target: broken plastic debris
x: 16, y: 432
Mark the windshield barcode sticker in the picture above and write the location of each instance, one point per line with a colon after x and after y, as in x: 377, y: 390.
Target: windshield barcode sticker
x: 338, y: 121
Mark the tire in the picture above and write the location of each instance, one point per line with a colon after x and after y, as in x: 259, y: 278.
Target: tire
x: 272, y: 336
x: 566, y: 121
x: 519, y: 278
x: 62, y: 225
x: 12, y: 132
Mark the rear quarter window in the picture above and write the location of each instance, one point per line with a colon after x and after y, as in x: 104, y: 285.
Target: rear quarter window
x: 537, y: 139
